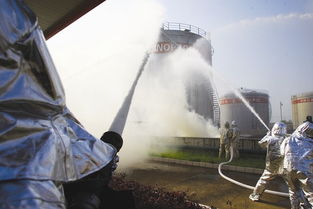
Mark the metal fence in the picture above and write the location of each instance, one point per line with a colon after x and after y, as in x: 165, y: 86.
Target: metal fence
x: 184, y: 27
x: 246, y: 144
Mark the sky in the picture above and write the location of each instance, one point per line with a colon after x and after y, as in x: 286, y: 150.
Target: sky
x: 258, y: 44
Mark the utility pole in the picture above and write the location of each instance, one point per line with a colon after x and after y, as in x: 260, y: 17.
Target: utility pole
x: 281, y: 111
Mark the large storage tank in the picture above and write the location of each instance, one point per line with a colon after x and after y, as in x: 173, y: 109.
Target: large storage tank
x: 232, y: 108
x: 201, y: 94
x: 302, y: 106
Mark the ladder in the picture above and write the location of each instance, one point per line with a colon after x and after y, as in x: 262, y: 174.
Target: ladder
x: 216, y: 105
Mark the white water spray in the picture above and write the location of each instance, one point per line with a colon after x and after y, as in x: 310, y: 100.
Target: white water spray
x: 213, y: 73
x: 119, y: 121
x: 238, y: 94
x: 162, y: 101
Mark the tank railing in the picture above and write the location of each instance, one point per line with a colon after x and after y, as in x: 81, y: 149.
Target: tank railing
x: 245, y: 90
x: 184, y: 27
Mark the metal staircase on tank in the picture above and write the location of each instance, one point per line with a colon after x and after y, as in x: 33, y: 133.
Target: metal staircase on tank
x: 216, y: 105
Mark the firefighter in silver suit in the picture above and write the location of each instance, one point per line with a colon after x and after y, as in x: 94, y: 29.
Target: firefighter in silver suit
x: 298, y: 165
x: 235, y: 139
x: 42, y: 145
x: 273, y: 167
x: 225, y: 138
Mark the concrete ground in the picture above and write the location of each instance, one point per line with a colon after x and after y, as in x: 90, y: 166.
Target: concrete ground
x: 205, y: 186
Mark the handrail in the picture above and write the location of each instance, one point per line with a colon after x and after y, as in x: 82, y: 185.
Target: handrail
x: 184, y: 27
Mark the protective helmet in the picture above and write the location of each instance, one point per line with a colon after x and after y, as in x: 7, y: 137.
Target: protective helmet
x: 233, y: 123
x: 309, y: 118
x: 306, y: 129
x: 279, y: 129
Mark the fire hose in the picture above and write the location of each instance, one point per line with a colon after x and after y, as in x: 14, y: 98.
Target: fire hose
x: 282, y: 194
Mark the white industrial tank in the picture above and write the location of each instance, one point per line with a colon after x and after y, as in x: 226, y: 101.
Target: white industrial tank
x: 201, y: 94
x: 302, y: 106
x: 232, y: 108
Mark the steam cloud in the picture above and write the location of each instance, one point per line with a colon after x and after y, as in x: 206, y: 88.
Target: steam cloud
x: 98, y: 61
x: 160, y: 106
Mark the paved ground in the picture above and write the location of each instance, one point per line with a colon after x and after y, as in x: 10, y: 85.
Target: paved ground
x: 205, y: 186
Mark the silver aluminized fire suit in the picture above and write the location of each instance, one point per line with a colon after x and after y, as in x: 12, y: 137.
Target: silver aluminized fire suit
x: 235, y: 139
x: 42, y: 145
x: 274, y: 159
x: 298, y: 164
x: 225, y: 138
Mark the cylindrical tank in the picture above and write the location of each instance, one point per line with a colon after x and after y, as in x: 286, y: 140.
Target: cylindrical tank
x: 232, y: 108
x: 201, y: 94
x: 174, y: 35
x: 302, y: 106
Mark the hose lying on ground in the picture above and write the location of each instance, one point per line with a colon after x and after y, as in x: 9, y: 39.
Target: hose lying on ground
x: 282, y: 194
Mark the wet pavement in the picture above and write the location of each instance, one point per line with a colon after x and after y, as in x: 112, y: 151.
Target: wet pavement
x: 205, y: 186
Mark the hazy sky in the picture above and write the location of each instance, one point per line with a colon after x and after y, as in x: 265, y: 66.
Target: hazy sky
x: 258, y: 44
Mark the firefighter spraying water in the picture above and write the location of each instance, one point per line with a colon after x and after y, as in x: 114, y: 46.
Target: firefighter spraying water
x: 298, y: 162
x: 288, y: 157
x: 43, y: 147
x: 271, y: 142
